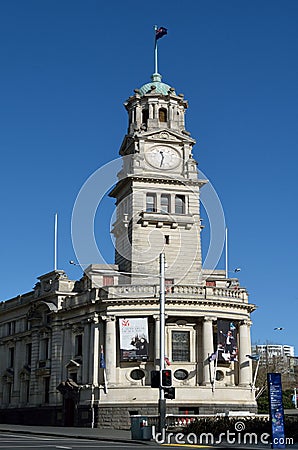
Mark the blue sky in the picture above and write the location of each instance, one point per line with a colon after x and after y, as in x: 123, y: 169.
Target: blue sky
x: 66, y: 69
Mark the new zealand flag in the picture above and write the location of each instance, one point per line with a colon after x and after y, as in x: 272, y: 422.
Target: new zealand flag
x: 160, y: 32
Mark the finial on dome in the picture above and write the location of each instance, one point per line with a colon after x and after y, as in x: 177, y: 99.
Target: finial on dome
x: 156, y: 77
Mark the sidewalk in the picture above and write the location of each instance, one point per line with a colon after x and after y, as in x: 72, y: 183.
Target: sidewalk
x: 104, y: 434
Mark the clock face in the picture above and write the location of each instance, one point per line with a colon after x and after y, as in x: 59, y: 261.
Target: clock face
x: 163, y: 157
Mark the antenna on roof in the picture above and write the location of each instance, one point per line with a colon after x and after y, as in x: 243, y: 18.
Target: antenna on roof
x: 226, y: 254
x: 55, y: 240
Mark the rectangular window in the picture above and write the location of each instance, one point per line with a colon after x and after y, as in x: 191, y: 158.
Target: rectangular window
x: 11, y: 357
x: 169, y: 283
x: 165, y: 203
x: 79, y: 345
x: 180, y: 346
x: 44, y: 349
x: 167, y: 239
x: 46, y: 387
x: 11, y: 328
x: 180, y: 204
x: 210, y: 283
x: 28, y: 354
x: 151, y: 203
x: 108, y: 280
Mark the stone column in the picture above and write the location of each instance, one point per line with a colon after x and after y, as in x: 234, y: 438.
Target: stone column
x: 155, y: 110
x: 150, y: 111
x: 86, y: 350
x: 138, y: 115
x: 169, y: 112
x: 18, y: 363
x: 110, y: 349
x: 56, y: 362
x: 35, y: 398
x: 157, y: 341
x: 95, y: 346
x: 67, y: 349
x: 133, y: 116
x: 208, y: 349
x: 244, y: 349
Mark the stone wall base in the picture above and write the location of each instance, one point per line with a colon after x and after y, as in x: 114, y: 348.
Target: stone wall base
x: 118, y: 417
x: 106, y: 416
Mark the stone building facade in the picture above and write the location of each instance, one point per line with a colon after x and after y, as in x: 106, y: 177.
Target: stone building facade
x: 54, y: 339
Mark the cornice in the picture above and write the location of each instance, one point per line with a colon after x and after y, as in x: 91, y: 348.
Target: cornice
x: 203, y: 303
x: 129, y: 179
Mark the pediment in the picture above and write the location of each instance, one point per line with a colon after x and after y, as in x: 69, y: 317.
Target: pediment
x: 166, y: 136
x: 162, y: 136
x: 72, y: 364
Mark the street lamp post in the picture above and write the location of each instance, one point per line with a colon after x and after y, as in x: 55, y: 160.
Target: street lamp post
x: 162, y: 400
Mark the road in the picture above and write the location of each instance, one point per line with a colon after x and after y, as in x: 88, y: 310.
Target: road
x: 11, y: 441
x: 18, y: 441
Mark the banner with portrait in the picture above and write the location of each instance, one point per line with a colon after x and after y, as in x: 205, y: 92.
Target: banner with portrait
x: 134, y: 340
x: 227, y: 348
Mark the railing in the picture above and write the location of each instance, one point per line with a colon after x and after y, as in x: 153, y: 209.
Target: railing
x: 176, y: 291
x: 236, y: 293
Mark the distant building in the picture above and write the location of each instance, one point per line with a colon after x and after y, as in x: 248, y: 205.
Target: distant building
x: 81, y: 352
x: 270, y: 350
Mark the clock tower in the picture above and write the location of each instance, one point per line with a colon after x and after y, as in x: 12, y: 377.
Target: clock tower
x: 157, y: 194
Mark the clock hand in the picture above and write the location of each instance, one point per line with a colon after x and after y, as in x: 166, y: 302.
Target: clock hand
x: 162, y: 158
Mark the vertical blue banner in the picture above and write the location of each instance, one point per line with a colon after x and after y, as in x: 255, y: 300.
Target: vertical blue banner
x: 276, y: 410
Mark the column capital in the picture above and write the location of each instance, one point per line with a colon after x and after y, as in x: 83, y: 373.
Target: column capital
x: 156, y: 317
x: 77, y: 328
x: 246, y: 322
x: 209, y: 319
x: 108, y: 318
x: 93, y: 319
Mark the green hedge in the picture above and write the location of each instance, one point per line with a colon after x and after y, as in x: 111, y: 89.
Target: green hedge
x: 257, y: 425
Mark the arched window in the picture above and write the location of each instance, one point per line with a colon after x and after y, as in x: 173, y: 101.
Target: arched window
x: 162, y: 115
x: 145, y: 116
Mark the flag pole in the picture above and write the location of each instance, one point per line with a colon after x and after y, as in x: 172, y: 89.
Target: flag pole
x: 155, y: 51
x: 255, y: 375
x: 214, y: 373
x: 102, y: 364
x: 55, y: 241
x: 105, y: 381
x: 226, y: 249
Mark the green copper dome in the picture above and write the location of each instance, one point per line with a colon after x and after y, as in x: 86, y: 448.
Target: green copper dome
x: 156, y: 86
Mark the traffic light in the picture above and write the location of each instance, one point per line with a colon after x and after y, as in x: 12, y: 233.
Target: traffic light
x: 166, y: 378
x: 155, y: 378
x: 169, y: 393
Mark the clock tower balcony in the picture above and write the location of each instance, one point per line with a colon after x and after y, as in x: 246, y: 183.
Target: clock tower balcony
x: 160, y: 219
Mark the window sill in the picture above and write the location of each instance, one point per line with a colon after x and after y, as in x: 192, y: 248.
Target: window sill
x: 161, y: 219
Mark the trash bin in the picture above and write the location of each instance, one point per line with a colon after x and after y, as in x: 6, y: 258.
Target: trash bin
x: 140, y: 430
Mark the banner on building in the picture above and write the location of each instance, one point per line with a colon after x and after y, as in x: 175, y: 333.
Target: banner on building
x: 133, y: 339
x: 227, y: 349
